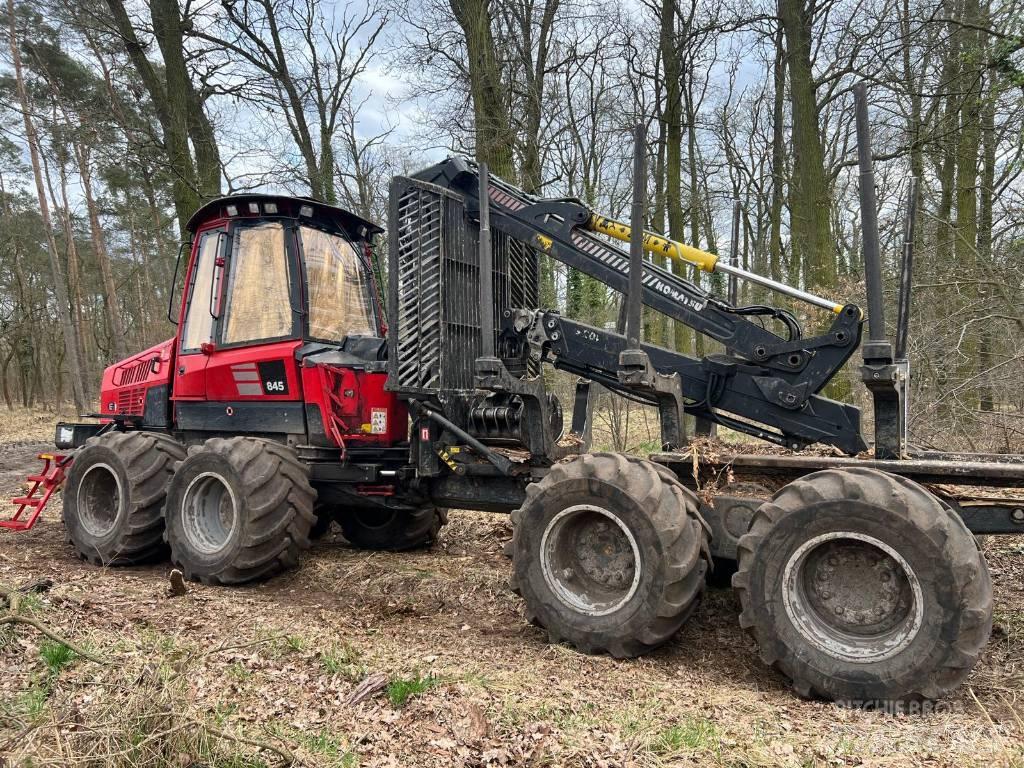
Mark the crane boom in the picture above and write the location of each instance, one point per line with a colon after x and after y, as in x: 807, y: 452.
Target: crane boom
x: 768, y: 378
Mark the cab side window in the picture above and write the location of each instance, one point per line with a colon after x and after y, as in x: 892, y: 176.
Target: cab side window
x: 258, y: 306
x: 198, y: 328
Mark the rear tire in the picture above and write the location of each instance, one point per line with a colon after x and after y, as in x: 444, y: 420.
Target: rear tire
x: 239, y: 509
x: 324, y: 519
x: 863, y: 588
x: 114, y: 495
x: 395, y: 529
x: 610, y: 554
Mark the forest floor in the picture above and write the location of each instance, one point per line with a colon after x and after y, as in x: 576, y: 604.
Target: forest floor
x: 257, y: 675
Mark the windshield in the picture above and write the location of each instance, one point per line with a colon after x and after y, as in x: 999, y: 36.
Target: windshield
x: 340, y: 292
x: 258, y: 300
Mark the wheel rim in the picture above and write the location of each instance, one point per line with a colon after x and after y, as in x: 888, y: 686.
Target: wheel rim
x: 99, y: 499
x: 590, y: 559
x: 209, y: 513
x: 853, y: 596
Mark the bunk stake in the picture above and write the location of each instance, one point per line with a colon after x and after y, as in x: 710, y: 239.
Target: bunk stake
x: 884, y: 379
x: 486, y: 288
x: 633, y: 362
x: 634, y: 298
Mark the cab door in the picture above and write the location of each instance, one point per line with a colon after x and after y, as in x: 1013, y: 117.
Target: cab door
x: 252, y: 381
x: 197, y: 323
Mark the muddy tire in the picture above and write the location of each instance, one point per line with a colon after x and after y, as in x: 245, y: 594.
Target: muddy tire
x: 863, y: 588
x: 396, y: 529
x: 114, y: 495
x: 239, y: 509
x: 610, y: 554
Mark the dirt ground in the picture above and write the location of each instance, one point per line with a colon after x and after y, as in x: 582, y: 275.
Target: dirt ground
x: 260, y: 675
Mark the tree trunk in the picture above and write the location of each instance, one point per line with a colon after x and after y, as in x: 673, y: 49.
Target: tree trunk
x: 59, y: 285
x: 965, y: 244
x: 812, y: 246
x: 672, y: 126
x: 3, y: 379
x: 948, y: 131
x: 775, y: 257
x: 178, y: 107
x: 986, y: 193
x: 118, y: 342
x: 494, y: 135
x: 74, y: 275
x: 534, y: 103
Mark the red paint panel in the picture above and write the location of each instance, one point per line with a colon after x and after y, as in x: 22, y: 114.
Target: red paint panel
x: 124, y: 385
x: 355, y: 408
x: 262, y: 372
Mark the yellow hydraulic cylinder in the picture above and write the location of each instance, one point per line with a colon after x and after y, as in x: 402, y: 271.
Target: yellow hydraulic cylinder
x: 708, y: 262
x: 655, y: 243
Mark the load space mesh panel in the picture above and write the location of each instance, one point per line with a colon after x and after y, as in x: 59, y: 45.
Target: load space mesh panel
x: 434, y: 274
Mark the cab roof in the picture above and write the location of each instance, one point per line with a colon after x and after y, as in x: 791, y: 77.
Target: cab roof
x: 254, y: 205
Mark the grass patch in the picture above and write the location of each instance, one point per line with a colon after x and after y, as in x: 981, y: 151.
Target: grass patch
x: 239, y: 671
x: 30, y: 604
x: 695, y: 734
x: 324, y: 744
x: 638, y: 718
x: 239, y: 761
x: 478, y: 679
x: 222, y: 712
x: 56, y: 656
x: 331, y: 750
x: 402, y: 689
x: 29, y: 703
x: 342, y: 659
x: 295, y: 643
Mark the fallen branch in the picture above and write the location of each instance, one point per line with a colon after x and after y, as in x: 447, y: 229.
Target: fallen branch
x: 40, y: 627
x: 369, y: 686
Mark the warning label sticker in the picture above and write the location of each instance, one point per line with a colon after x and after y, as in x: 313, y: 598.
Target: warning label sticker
x: 378, y: 421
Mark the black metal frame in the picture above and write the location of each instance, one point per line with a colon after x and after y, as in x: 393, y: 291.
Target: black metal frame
x: 711, y: 387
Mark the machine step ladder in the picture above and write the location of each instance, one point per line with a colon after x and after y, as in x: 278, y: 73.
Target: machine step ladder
x: 43, y: 486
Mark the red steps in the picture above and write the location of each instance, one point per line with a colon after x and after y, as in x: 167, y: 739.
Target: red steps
x: 47, y: 481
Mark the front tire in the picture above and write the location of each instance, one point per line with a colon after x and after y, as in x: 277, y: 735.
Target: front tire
x: 610, y: 554
x: 239, y: 509
x: 863, y: 588
x: 114, y: 495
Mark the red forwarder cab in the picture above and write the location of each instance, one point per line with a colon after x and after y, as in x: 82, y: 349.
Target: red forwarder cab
x: 280, y: 334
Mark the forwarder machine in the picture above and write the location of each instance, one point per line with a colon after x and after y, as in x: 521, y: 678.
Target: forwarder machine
x: 288, y: 398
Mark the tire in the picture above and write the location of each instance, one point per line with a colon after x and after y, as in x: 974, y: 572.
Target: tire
x: 324, y: 519
x: 114, y: 495
x: 863, y: 588
x: 391, y: 528
x: 239, y: 509
x: 633, y: 512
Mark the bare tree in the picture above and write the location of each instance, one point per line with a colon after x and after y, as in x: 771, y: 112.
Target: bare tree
x: 305, y: 59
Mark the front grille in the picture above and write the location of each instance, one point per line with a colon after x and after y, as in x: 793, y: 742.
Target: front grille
x: 132, y: 374
x: 434, y: 276
x: 131, y: 401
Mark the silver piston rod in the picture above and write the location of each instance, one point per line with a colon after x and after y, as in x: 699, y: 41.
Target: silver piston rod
x: 775, y: 285
x: 708, y: 262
